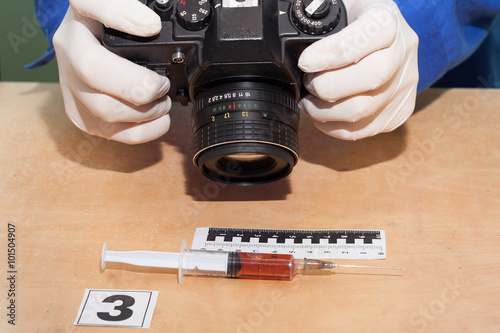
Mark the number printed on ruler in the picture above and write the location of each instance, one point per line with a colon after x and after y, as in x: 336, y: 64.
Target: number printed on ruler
x: 320, y: 244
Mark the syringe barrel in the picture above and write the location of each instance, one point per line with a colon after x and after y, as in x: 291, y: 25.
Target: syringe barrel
x: 244, y: 265
x: 261, y: 266
x: 196, y: 262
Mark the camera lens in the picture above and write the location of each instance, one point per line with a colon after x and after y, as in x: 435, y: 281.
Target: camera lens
x: 245, y: 133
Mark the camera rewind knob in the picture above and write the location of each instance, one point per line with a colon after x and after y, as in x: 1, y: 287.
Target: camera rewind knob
x: 193, y: 14
x: 316, y: 17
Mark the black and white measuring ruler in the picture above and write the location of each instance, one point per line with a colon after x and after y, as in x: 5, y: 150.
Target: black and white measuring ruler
x: 319, y: 244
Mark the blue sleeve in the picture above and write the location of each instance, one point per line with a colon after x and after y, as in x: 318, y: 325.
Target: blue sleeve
x: 449, y: 32
x: 49, y: 14
x: 482, y: 69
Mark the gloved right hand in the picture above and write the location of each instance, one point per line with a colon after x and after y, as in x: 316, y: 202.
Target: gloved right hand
x: 104, y: 94
x: 363, y: 79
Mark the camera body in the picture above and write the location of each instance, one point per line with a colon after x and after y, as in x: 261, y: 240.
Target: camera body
x: 236, y: 61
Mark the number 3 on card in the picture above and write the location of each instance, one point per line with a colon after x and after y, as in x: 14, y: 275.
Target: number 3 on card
x: 126, y: 308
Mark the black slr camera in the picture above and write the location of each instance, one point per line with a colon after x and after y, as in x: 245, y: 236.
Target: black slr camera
x: 236, y: 61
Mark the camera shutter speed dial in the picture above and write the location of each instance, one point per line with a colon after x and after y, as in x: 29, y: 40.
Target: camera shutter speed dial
x: 316, y: 17
x: 193, y: 14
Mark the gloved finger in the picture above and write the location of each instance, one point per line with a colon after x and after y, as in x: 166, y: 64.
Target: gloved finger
x: 350, y: 109
x: 406, y: 105
x: 140, y: 132
x: 378, y: 68
x: 130, y: 16
x: 386, y: 119
x: 106, y: 71
x: 126, y: 132
x: 402, y: 88
x: 112, y: 109
x: 347, y: 131
x: 373, y: 30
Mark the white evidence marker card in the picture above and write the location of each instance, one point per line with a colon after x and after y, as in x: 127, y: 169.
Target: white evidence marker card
x: 118, y: 308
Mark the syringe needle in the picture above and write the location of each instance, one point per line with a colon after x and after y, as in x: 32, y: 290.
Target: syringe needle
x: 309, y: 264
x: 333, y: 265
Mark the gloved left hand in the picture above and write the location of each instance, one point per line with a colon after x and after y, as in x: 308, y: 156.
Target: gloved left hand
x: 363, y: 79
x: 104, y: 94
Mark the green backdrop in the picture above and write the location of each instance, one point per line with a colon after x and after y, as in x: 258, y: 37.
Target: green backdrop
x: 22, y: 42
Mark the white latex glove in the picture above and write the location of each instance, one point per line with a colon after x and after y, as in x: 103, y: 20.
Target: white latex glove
x: 104, y: 94
x: 363, y: 79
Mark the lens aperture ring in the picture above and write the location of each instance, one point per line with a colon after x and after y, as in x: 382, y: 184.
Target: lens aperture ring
x: 242, y: 95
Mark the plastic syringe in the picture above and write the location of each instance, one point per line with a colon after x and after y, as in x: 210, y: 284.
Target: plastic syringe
x: 247, y: 265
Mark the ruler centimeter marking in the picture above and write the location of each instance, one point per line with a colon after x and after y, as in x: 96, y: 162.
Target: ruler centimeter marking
x: 321, y: 244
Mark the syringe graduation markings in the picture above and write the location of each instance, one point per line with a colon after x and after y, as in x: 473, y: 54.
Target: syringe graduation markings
x: 217, y: 263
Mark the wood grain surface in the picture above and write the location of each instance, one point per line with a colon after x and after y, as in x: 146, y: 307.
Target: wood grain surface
x: 433, y: 185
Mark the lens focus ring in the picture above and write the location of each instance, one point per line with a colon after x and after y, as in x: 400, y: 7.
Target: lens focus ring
x: 270, y: 131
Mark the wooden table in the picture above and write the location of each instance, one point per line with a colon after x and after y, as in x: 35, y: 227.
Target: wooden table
x: 432, y: 185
